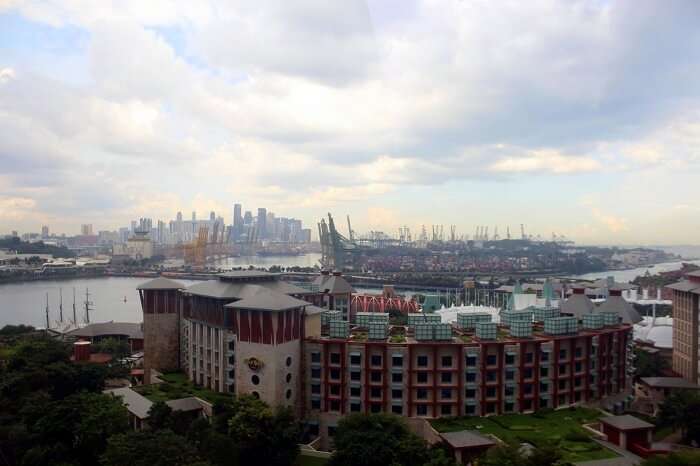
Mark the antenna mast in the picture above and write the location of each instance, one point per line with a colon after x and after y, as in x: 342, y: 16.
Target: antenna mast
x: 75, y: 318
x: 60, y: 303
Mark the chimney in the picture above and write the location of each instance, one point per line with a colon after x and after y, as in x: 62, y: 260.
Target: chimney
x: 81, y: 351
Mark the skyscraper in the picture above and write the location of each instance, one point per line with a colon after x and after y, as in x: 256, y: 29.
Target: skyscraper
x: 262, y: 223
x: 237, y: 221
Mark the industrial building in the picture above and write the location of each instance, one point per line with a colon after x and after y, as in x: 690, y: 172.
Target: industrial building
x: 291, y: 345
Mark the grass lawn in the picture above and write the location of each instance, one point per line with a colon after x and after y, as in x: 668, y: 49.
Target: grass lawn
x: 561, y: 428
x: 175, y: 385
x: 305, y: 460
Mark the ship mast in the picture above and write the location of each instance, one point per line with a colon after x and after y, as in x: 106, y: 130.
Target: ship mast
x: 88, y: 303
x: 60, y: 303
x: 47, y: 312
x: 75, y: 318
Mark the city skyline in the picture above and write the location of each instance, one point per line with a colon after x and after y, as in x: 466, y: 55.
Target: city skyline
x: 580, y: 118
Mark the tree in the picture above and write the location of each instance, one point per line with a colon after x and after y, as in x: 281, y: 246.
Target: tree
x: 514, y: 455
x: 377, y: 440
x: 683, y: 458
x: 649, y: 364
x: 254, y: 427
x: 159, y: 416
x: 681, y: 410
x: 76, y: 428
x: 114, y: 346
x: 150, y: 448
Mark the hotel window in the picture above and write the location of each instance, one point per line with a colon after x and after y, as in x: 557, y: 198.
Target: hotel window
x: 491, y: 360
x: 470, y: 410
x: 470, y: 393
x: 316, y: 404
x: 527, y: 405
x: 544, y: 371
x: 422, y: 361
x: 491, y: 376
x: 562, y: 354
x: 335, y: 390
x: 355, y: 407
x: 562, y: 384
x: 397, y: 377
x: 355, y: 359
x: 397, y: 409
x: 355, y: 376
x: 422, y: 377
x: 315, y: 389
x: 470, y: 361
x: 510, y: 359
x: 577, y: 367
x: 375, y: 408
x: 396, y: 394
x: 376, y: 376
x: 446, y: 394
x: 355, y: 391
x: 527, y: 372
x: 335, y: 406
x: 510, y: 375
x: 397, y: 361
x: 543, y: 403
x: 509, y: 390
x: 421, y: 410
x: 335, y: 358
x: 579, y: 352
x: 528, y: 357
x: 490, y: 408
x: 375, y: 392
x: 508, y: 406
x: 446, y: 377
x: 544, y: 357
x: 315, y: 356
x: 562, y: 369
x: 421, y: 394
x: 577, y: 382
x: 447, y: 361
x: 527, y: 389
x: 335, y: 374
x: 446, y: 410
x: 315, y: 373
x: 544, y: 387
x: 376, y: 360
x: 470, y: 377
x: 490, y: 392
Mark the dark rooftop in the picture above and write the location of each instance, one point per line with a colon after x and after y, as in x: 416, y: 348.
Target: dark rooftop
x: 669, y: 382
x: 466, y: 439
x: 129, y: 329
x: 268, y: 301
x: 161, y: 283
x: 626, y: 422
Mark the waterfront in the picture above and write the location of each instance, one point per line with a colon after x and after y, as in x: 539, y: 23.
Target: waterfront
x: 624, y: 276
x: 25, y: 302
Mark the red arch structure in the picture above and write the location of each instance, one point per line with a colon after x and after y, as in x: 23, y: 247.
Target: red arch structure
x: 379, y: 303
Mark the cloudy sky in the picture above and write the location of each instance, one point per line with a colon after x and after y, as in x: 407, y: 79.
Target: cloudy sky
x: 579, y: 117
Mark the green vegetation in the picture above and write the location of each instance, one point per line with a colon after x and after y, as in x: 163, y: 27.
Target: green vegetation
x: 547, y: 428
x: 681, y: 411
x: 308, y: 460
x: 176, y: 385
x: 13, y: 330
x: 682, y: 458
x: 114, y: 346
x: 512, y: 455
x: 649, y: 365
x: 380, y: 440
x: 397, y: 339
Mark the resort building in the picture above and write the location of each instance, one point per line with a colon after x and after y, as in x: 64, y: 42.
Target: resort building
x: 685, y: 326
x: 291, y: 345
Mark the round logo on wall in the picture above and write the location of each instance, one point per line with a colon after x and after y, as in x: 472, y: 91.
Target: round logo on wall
x: 254, y: 364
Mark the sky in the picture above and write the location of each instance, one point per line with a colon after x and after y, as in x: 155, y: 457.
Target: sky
x: 575, y: 117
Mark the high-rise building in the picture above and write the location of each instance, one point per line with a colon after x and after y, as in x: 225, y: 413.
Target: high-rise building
x: 86, y: 229
x: 686, y: 300
x: 179, y: 216
x: 212, y: 216
x: 45, y: 231
x: 194, y: 216
x: 247, y: 218
x: 262, y: 223
x: 237, y: 221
